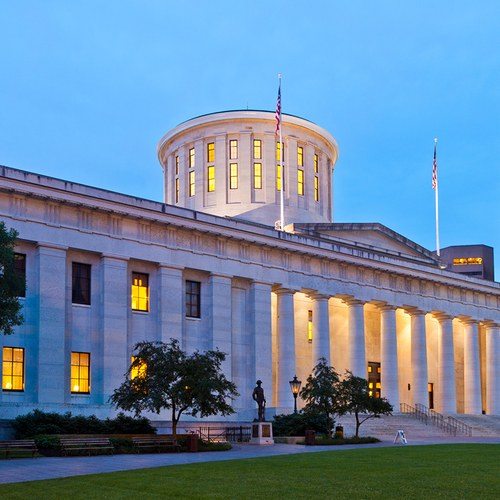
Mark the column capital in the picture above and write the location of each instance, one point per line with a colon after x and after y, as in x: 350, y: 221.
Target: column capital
x: 467, y: 320
x: 284, y: 291
x: 220, y: 276
x: 384, y: 306
x: 350, y: 300
x: 490, y: 324
x: 318, y: 296
x: 260, y: 283
x: 114, y: 257
x: 414, y: 311
x: 174, y: 267
x: 441, y: 316
x: 50, y: 246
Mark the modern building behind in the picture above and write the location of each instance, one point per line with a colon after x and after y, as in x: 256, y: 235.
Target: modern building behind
x: 471, y: 260
x: 105, y: 270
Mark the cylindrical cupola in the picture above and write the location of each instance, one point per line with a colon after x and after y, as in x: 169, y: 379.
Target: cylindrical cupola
x: 228, y: 164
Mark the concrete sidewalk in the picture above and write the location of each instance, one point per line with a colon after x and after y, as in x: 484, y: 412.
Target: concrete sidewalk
x: 32, y: 469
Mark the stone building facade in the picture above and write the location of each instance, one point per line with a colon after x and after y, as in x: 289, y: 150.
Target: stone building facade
x: 106, y: 270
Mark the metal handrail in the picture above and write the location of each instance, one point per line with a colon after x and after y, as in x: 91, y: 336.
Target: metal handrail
x: 448, y: 424
x: 460, y: 426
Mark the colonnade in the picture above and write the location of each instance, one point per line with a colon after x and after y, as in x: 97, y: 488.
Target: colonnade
x: 479, y: 393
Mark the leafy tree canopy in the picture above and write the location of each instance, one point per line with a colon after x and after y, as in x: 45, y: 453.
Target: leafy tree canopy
x: 356, y: 400
x: 322, y: 393
x: 165, y: 377
x: 11, y: 285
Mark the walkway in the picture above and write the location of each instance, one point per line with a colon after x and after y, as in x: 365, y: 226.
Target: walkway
x: 30, y: 469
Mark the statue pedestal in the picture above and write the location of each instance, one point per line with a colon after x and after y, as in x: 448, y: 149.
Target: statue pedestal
x: 262, y: 433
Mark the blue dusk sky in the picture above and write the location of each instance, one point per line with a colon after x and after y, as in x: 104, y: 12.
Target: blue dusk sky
x: 87, y: 88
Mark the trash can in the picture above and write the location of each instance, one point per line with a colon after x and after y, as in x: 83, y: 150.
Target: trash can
x: 339, y: 432
x: 310, y: 438
x: 192, y: 443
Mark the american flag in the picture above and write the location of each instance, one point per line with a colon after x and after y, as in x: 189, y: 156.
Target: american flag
x: 278, y: 110
x: 434, y: 169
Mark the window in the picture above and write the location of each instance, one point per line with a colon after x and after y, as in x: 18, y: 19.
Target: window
x: 257, y: 149
x: 233, y: 149
x: 278, y: 149
x: 191, y: 183
x: 278, y: 177
x: 211, y: 152
x: 13, y: 369
x: 211, y: 178
x: 193, y: 299
x: 177, y: 190
x: 80, y: 373
x: 257, y: 175
x: 300, y: 182
x: 300, y: 156
x: 81, y: 284
x: 140, y: 292
x: 309, y: 326
x: 176, y: 165
x: 20, y: 272
x: 233, y: 176
x: 316, y: 188
x: 316, y: 164
x: 191, y: 158
x: 139, y: 370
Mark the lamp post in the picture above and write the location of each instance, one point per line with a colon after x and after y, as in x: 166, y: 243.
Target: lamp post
x: 295, y: 384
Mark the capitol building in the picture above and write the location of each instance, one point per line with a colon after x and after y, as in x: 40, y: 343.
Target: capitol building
x: 207, y: 266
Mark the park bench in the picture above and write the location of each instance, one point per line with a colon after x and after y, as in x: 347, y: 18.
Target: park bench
x: 86, y: 444
x: 157, y: 443
x: 18, y: 445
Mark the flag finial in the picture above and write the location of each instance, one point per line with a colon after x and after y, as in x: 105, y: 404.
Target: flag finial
x: 435, y: 140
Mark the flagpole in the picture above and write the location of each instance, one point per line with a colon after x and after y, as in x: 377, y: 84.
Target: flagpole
x: 282, y: 197
x: 436, y: 197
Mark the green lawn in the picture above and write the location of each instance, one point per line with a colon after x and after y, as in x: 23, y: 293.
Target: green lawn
x: 442, y: 471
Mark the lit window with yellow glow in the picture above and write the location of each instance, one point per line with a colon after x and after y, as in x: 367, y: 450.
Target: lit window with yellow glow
x: 278, y: 151
x: 316, y: 164
x: 140, y: 292
x: 233, y: 149
x: 210, y: 152
x: 257, y: 175
x: 300, y: 156
x: 257, y: 149
x: 316, y: 188
x: 233, y: 176
x: 191, y: 183
x: 13, y: 369
x: 80, y: 372
x: 278, y: 177
x: 300, y: 182
x: 210, y: 178
x: 309, y: 326
x: 177, y: 189
x: 138, y: 370
x: 191, y: 158
x: 467, y: 261
x: 176, y: 165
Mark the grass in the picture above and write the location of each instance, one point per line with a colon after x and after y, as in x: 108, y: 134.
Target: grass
x: 440, y: 471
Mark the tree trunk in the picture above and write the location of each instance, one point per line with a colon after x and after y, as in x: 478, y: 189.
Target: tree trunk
x: 358, y: 424
x: 174, y: 424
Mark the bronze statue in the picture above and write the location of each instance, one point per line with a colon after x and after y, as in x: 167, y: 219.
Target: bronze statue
x: 258, y: 397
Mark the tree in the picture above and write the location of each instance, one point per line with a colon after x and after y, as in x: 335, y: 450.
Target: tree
x: 322, y: 393
x: 11, y: 285
x: 163, y: 376
x: 357, y: 400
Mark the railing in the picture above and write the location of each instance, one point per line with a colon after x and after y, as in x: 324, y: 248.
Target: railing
x: 238, y: 434
x: 448, y: 424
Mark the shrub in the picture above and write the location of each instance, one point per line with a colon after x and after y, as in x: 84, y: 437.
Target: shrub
x: 48, y: 445
x: 350, y: 440
x: 207, y: 446
x: 38, y: 422
x: 296, y: 424
x: 122, y: 445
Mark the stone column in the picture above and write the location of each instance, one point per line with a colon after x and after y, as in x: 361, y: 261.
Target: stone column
x: 446, y: 401
x: 492, y: 369
x: 53, y: 361
x: 357, y: 354
x: 221, y: 318
x: 115, y: 305
x: 171, y: 299
x: 321, y: 328
x: 419, y: 358
x: 286, y: 346
x: 261, y: 331
x: 389, y: 355
x: 472, y: 375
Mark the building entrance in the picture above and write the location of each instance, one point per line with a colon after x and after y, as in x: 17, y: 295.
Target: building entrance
x: 430, y: 389
x: 374, y: 385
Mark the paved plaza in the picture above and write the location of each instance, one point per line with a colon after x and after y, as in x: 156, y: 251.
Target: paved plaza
x: 31, y: 469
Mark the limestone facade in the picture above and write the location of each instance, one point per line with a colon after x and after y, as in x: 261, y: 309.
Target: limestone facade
x: 359, y: 295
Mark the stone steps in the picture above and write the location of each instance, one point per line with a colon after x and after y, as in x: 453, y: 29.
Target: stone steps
x: 482, y: 425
